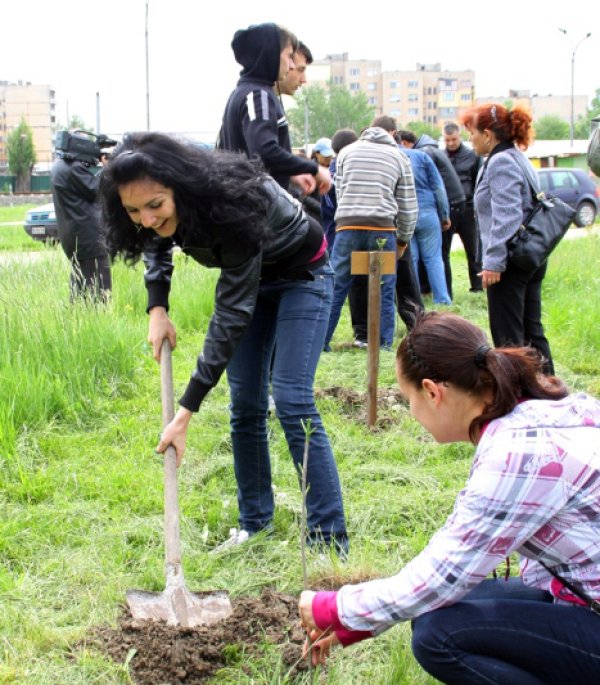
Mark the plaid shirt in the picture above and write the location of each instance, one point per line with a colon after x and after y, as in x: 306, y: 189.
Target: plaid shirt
x: 534, y: 488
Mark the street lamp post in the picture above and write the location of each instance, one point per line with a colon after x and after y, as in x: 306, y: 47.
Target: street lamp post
x: 572, y: 122
x: 147, y: 74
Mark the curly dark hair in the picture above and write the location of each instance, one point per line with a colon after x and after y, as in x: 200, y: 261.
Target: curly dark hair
x: 446, y: 347
x: 215, y: 192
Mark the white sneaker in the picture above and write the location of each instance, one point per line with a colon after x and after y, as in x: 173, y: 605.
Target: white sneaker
x: 361, y: 344
x: 236, y: 537
x: 271, y: 404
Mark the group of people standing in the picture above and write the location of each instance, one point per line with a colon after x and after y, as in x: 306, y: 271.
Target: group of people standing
x: 533, y: 487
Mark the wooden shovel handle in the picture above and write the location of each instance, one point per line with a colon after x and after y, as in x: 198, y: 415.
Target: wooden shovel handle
x: 172, y: 536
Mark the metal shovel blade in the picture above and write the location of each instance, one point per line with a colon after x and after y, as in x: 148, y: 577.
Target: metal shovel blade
x: 176, y: 605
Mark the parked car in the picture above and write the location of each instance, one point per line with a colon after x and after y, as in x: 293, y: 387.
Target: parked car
x: 576, y: 188
x: 40, y: 223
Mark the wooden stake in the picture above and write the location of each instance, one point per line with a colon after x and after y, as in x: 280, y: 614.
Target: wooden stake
x: 374, y: 332
x: 375, y: 264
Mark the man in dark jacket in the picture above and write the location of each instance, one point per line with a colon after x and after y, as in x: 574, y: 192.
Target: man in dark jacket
x: 454, y: 191
x: 254, y: 121
x: 466, y: 164
x: 74, y: 190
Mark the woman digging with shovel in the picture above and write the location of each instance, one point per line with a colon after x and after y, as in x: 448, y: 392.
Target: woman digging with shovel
x: 272, y: 300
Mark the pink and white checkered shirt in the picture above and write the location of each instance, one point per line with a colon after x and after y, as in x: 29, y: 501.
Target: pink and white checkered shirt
x: 534, y: 488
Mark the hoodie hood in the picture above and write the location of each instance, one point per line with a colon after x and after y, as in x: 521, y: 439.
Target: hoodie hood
x: 426, y: 140
x: 374, y: 134
x: 257, y: 50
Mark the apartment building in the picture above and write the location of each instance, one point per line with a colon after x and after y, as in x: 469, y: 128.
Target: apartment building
x: 356, y: 75
x: 428, y: 93
x: 543, y: 105
x: 34, y: 103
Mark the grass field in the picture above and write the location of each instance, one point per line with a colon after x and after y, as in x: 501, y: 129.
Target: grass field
x: 81, y: 486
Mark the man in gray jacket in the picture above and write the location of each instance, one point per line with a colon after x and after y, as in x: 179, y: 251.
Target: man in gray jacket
x: 376, y: 209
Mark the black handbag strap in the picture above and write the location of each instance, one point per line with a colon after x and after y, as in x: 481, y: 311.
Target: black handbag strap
x: 590, y: 603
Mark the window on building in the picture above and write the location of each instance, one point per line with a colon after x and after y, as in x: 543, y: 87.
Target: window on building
x: 354, y: 72
x: 465, y: 97
x: 355, y: 86
x: 448, y: 96
x: 371, y: 86
x: 394, y: 112
x: 338, y: 80
x: 413, y: 111
x: 395, y: 98
x: 413, y: 84
x: 372, y: 72
x: 393, y: 84
x: 372, y: 101
x: 413, y: 98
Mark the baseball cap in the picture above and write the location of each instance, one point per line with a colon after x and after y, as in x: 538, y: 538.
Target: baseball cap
x: 323, y: 146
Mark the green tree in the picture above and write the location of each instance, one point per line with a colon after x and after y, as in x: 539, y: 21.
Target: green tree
x: 551, y: 127
x: 21, y: 155
x: 420, y: 128
x: 329, y: 109
x: 581, y: 130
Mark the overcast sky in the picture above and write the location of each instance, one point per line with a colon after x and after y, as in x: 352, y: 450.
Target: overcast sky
x: 84, y: 47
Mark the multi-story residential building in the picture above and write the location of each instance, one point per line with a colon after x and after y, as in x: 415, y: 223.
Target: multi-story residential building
x: 543, y: 105
x: 356, y: 75
x: 427, y: 93
x: 34, y: 103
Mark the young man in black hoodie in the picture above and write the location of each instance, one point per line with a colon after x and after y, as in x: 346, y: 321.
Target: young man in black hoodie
x: 254, y: 121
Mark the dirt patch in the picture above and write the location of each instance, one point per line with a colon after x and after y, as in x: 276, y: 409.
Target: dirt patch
x: 159, y: 654
x: 354, y: 403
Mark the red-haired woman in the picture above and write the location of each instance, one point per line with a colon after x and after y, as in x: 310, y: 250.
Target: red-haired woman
x: 534, y: 488
x: 503, y: 199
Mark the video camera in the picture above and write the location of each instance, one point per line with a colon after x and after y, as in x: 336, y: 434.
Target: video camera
x: 80, y: 145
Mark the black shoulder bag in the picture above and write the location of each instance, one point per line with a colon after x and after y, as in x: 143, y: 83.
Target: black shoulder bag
x: 591, y: 604
x: 543, y: 228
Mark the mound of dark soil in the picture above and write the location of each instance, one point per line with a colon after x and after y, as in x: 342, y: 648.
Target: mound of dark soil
x: 354, y: 403
x: 160, y: 654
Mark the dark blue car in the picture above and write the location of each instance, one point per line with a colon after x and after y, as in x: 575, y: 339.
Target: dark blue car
x: 576, y: 188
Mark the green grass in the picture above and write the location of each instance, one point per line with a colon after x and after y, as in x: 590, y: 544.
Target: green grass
x: 13, y: 238
x: 81, y: 486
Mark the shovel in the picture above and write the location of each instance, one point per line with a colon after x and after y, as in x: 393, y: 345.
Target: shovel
x: 176, y: 605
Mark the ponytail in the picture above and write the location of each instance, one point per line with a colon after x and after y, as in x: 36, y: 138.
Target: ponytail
x: 446, y: 347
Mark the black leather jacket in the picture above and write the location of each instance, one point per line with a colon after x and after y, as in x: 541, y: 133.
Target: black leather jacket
x: 287, y: 251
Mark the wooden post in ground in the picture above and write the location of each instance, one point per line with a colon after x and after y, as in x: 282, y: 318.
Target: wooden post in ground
x: 375, y: 264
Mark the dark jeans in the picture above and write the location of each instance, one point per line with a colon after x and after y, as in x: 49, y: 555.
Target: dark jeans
x: 408, y: 294
x: 358, y: 299
x: 515, y: 311
x: 463, y: 223
x: 503, y: 633
x: 347, y: 242
x: 289, y: 323
x: 91, y: 278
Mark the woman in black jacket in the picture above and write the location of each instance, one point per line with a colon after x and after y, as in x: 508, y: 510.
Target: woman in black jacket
x: 272, y: 300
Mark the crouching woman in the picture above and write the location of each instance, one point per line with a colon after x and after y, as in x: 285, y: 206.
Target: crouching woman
x: 534, y: 488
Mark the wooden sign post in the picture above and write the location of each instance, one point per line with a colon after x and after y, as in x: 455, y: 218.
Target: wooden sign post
x: 375, y: 264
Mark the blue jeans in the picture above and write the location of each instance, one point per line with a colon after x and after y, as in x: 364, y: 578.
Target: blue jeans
x: 504, y: 633
x: 287, y: 329
x: 347, y: 242
x: 426, y: 244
